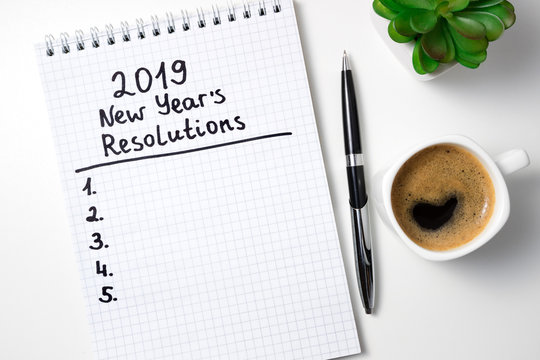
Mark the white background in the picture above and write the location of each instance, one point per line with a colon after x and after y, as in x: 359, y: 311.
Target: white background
x: 483, y: 306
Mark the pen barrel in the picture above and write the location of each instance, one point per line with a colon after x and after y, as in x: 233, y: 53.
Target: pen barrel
x: 364, y: 257
x: 351, y: 127
x: 357, y: 186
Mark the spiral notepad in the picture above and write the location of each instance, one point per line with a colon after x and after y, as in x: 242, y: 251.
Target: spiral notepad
x: 195, y: 188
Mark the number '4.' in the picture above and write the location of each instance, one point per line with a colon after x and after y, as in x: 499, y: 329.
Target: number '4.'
x: 102, y: 269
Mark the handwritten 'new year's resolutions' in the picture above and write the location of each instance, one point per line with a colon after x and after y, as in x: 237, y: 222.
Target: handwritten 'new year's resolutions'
x: 115, y: 148
x: 167, y: 75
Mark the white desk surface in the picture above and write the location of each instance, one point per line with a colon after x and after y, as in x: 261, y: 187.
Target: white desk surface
x: 483, y: 306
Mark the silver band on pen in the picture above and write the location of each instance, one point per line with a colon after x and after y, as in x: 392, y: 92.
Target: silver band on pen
x: 355, y: 160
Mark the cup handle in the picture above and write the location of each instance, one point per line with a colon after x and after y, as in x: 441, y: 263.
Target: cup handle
x: 512, y: 161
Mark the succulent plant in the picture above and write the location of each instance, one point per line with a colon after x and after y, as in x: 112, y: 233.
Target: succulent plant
x: 446, y: 30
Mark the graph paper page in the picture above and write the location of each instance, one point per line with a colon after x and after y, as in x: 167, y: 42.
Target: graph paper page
x: 196, y: 192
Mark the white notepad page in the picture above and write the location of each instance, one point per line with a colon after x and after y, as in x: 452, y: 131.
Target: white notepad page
x: 218, y: 245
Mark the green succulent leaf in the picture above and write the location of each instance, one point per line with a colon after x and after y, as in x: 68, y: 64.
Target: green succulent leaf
x: 383, y: 11
x: 450, y: 48
x: 484, y: 3
x: 476, y: 58
x: 434, y: 43
x: 423, y: 21
x: 457, y: 5
x: 507, y: 16
x: 465, y: 44
x: 402, y: 24
x: 416, y: 59
x: 422, y: 63
x: 397, y: 37
x: 429, y: 64
x: 392, y: 5
x: 442, y: 8
x: 494, y: 26
x: 509, y: 5
x: 418, y: 4
x: 467, y: 27
x: 466, y: 63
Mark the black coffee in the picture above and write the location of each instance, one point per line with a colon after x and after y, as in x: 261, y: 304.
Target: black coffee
x: 442, y: 197
x: 433, y: 217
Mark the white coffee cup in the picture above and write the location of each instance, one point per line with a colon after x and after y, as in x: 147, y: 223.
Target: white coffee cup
x: 503, y: 164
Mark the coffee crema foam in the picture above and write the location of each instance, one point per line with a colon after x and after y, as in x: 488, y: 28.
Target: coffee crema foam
x: 433, y: 176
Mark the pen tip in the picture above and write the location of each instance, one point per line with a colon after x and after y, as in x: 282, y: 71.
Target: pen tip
x: 346, y: 65
x: 368, y: 311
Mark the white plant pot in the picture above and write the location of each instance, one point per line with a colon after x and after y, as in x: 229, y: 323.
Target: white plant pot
x: 403, y: 52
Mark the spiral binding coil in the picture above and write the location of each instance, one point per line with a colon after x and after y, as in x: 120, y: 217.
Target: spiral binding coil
x: 95, y: 40
x: 170, y: 23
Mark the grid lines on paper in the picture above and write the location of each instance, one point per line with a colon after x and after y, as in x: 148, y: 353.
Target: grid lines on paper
x: 228, y: 253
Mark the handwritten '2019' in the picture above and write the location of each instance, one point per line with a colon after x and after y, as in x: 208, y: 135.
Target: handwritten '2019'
x: 144, y: 78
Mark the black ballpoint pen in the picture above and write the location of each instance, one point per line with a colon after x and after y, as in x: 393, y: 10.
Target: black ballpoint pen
x: 357, y: 189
